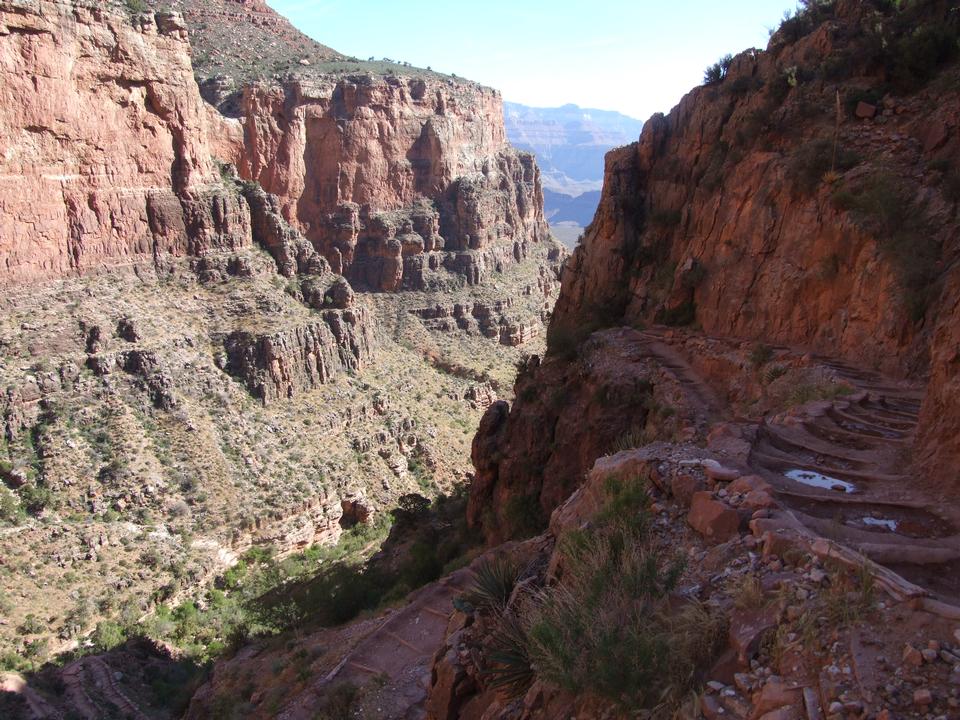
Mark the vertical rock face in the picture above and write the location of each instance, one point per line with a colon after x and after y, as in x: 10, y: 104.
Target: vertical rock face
x: 277, y: 365
x: 735, y: 212
x: 105, y: 157
x: 393, y: 176
x: 770, y: 206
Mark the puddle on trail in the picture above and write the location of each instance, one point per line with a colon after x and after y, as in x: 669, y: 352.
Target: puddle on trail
x: 890, y: 525
x: 817, y: 480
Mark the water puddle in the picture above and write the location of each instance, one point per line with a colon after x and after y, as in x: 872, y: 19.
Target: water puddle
x: 817, y: 480
x: 890, y: 525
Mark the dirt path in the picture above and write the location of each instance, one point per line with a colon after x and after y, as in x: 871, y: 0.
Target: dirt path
x: 842, y: 468
x: 395, y: 657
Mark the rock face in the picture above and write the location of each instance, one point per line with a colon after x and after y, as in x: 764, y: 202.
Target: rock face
x: 721, y: 213
x: 392, y: 178
x: 530, y: 458
x: 277, y: 365
x: 733, y: 212
x: 80, y: 84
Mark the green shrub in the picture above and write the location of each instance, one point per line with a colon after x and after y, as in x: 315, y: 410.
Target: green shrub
x: 135, y: 7
x: 524, y: 517
x: 804, y: 20
x: 493, y: 582
x: 108, y: 635
x: 608, y: 628
x: 10, y: 510
x: 35, y: 498
x: 917, y: 56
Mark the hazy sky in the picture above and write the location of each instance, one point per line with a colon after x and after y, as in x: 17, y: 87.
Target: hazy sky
x: 628, y: 55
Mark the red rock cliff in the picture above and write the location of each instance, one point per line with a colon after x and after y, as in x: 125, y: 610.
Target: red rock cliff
x: 393, y: 177
x: 807, y: 197
x: 726, y: 212
x: 105, y: 158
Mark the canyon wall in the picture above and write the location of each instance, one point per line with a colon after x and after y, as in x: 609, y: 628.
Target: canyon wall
x: 393, y: 177
x: 728, y: 208
x: 105, y: 158
x: 805, y: 197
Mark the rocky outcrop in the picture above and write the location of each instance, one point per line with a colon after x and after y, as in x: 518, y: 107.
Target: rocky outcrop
x: 734, y: 212
x: 766, y: 208
x: 493, y: 321
x: 530, y: 457
x: 105, y: 156
x: 392, y: 178
x: 279, y: 364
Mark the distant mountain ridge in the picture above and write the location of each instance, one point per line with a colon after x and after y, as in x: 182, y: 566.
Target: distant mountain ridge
x: 569, y: 142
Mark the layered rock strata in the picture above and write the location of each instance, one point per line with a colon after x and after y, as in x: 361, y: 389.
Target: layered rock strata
x: 105, y: 158
x: 276, y: 365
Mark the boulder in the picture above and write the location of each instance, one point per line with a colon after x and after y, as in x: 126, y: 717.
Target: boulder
x: 713, y: 519
x: 865, y: 110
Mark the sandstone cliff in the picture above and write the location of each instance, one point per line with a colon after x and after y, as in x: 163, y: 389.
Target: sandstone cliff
x: 806, y: 197
x: 392, y: 178
x: 402, y: 178
x: 105, y: 158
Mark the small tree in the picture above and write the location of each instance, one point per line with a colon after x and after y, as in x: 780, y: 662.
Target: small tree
x: 718, y: 71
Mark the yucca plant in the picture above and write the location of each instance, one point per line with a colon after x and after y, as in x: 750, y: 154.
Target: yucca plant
x: 493, y: 584
x: 508, y: 666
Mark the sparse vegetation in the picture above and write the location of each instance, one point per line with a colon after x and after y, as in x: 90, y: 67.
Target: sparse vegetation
x: 607, y: 628
x: 881, y: 204
x: 760, y: 355
x: 524, y: 517
x: 493, y: 583
x: 718, y: 71
x: 136, y: 7
x: 808, y: 392
x: 813, y: 160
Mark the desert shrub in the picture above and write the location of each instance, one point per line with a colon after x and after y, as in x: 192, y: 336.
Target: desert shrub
x: 744, y: 84
x: 760, y: 354
x: 493, y: 582
x: 10, y: 510
x: 718, y: 71
x: 410, y: 508
x: 135, y: 7
x: 608, y: 629
x: 635, y: 437
x: 813, y: 160
x: 107, y: 635
x: 884, y: 206
x: 836, y: 66
x: 917, y: 56
x: 683, y: 314
x: 808, y: 392
x: 773, y: 373
x: 524, y: 517
x: 338, y: 702
x: 32, y: 625
x: 804, y: 20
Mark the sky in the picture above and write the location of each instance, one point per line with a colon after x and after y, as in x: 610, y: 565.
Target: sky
x: 634, y: 56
